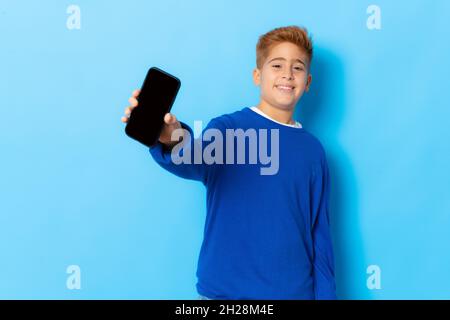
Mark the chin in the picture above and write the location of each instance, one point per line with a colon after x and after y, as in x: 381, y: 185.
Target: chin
x: 284, y: 105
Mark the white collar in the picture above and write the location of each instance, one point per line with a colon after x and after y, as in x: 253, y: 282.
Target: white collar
x: 296, y: 125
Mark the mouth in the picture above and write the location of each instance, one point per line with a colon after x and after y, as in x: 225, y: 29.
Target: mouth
x: 285, y: 89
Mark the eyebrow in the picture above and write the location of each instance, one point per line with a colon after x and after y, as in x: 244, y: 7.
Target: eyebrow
x: 281, y: 58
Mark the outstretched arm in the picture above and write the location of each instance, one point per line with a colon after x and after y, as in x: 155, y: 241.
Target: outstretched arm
x: 182, y: 159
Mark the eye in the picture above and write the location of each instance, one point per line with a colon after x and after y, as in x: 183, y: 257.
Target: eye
x: 276, y: 66
x: 299, y: 68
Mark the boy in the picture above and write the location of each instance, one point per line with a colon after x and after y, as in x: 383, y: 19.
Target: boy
x: 266, y: 236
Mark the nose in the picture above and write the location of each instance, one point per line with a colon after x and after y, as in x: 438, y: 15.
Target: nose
x: 288, y: 75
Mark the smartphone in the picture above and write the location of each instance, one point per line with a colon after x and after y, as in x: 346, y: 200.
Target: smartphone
x: 156, y: 98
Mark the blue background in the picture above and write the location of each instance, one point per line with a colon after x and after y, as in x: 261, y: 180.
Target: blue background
x: 75, y: 190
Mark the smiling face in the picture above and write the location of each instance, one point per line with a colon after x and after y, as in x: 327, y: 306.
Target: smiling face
x: 284, y: 76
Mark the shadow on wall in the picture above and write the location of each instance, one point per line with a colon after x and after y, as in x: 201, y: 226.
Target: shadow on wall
x: 321, y: 111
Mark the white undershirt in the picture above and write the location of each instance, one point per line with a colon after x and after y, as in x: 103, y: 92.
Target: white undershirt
x: 296, y: 125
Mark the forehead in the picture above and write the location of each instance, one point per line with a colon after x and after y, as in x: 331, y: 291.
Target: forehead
x: 287, y: 51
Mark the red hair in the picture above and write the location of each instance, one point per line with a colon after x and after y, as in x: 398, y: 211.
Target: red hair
x: 293, y: 34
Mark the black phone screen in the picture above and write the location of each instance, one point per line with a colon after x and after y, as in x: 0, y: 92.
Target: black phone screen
x: 156, y: 98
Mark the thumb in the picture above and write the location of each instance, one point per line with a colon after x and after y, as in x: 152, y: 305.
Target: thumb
x: 170, y: 119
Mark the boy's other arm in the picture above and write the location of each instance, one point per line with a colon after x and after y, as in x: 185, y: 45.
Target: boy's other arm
x: 323, y: 259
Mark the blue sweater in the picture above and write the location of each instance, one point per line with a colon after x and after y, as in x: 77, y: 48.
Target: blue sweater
x: 265, y: 236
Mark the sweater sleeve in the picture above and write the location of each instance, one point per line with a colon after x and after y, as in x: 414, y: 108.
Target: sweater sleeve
x: 188, y: 162
x: 323, y: 257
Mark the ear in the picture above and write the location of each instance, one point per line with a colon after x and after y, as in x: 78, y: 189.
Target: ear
x: 308, y: 82
x: 256, y: 76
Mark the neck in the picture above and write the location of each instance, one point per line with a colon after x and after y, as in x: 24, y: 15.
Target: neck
x: 280, y: 115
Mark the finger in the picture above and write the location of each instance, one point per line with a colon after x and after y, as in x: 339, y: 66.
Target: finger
x: 136, y: 93
x: 133, y: 101
x: 124, y: 119
x: 128, y: 111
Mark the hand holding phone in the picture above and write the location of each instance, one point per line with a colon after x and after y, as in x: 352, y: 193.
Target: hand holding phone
x: 170, y: 121
x: 153, y: 121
